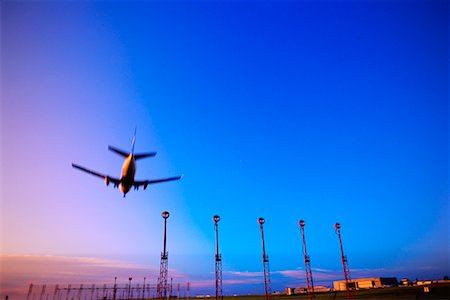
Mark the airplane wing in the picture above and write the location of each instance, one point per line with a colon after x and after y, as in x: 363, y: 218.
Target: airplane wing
x: 88, y: 171
x: 115, y: 181
x: 144, y: 183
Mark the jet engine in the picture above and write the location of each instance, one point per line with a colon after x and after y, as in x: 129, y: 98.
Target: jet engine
x: 145, y: 186
x: 107, y: 181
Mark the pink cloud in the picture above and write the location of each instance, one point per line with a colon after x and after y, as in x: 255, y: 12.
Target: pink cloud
x: 244, y: 274
x: 19, y: 271
x: 291, y: 273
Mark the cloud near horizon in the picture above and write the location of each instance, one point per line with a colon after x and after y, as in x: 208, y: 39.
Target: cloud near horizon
x: 18, y: 271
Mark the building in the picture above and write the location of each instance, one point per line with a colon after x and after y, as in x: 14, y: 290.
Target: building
x: 304, y: 290
x: 406, y: 282
x: 366, y: 283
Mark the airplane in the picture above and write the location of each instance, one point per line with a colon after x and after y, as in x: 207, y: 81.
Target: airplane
x: 127, y: 181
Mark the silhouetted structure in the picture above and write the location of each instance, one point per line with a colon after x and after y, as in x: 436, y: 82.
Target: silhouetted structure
x: 345, y: 267
x: 69, y: 292
x: 218, y: 260
x: 265, y: 259
x: 30, y: 290
x: 309, y: 278
x: 164, y: 267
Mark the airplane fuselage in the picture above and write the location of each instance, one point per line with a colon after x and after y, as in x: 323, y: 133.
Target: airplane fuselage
x: 127, y: 176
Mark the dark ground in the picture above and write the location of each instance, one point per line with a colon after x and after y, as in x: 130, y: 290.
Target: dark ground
x: 436, y: 292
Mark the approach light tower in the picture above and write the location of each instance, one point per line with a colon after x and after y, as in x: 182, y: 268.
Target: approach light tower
x: 163, y: 270
x: 265, y: 259
x: 218, y: 268
x: 345, y: 266
x: 309, y: 278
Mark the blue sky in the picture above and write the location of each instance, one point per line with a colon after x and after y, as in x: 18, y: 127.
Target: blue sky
x: 324, y: 111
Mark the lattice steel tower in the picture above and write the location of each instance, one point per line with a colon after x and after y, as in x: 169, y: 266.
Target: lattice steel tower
x: 218, y: 268
x: 163, y: 270
x: 309, y: 278
x: 345, y: 266
x: 265, y: 259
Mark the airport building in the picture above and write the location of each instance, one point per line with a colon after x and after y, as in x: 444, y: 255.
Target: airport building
x: 366, y: 283
x: 304, y: 290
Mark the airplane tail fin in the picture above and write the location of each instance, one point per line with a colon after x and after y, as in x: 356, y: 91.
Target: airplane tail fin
x: 133, y: 141
x: 125, y: 154
x: 140, y: 155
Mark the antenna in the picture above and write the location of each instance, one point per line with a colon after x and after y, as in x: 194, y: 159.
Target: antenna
x: 163, y: 270
x: 218, y: 265
x: 30, y: 289
x: 309, y: 278
x: 345, y: 266
x: 265, y: 259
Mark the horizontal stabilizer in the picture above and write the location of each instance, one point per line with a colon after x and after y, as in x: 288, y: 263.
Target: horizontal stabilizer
x: 142, y: 155
x: 118, y: 151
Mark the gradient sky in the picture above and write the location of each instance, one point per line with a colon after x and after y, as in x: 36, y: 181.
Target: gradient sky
x: 325, y: 111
